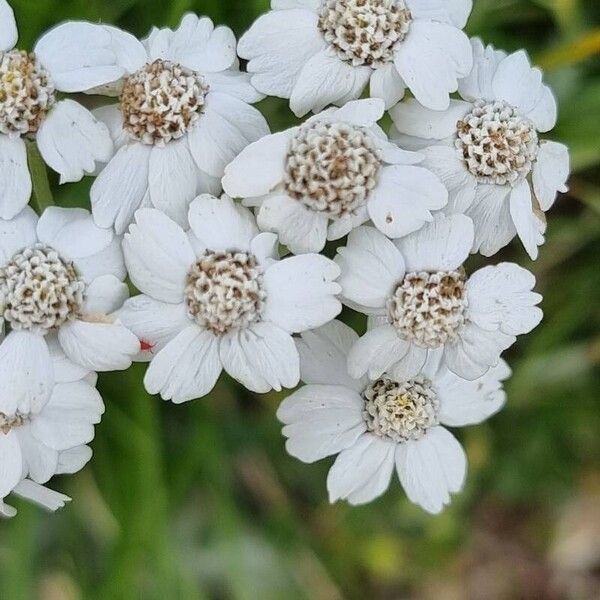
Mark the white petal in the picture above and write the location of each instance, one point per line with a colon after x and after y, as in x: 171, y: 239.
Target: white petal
x: 500, y: 297
x: 324, y: 355
x: 277, y: 46
x: 490, y: 213
x: 445, y: 162
x: 299, y: 228
x: 109, y: 261
x: 342, y: 227
x: 261, y: 357
x: 431, y: 60
x: 105, y: 295
x: 301, y: 292
x: 550, y: 173
x: 478, y: 84
x: 221, y: 225
x: 363, y: 471
x: 363, y: 113
x: 15, y: 181
x: 325, y: 80
x: 155, y: 323
x: 39, y: 461
x: 410, y: 365
x: 517, y: 82
x: 8, y: 31
x: 321, y: 420
x: 40, y: 495
x: 186, y: 368
x: 25, y: 372
x: 198, y: 45
x: 544, y: 113
x: 17, y: 233
x: 470, y: 402
x: 72, y: 232
x: 158, y: 255
x: 453, y: 12
x: 376, y: 351
x: 98, y: 346
x: 234, y: 83
x: 71, y: 140
x: 442, y: 245
x: 404, y: 198
x: 431, y: 469
x: 528, y: 225
x: 286, y: 4
x: 414, y: 119
x: 172, y: 180
x: 81, y: 56
x: 475, y: 351
x: 387, y: 84
x: 259, y: 168
x: 112, y: 117
x: 227, y: 126
x: 371, y: 266
x: 73, y: 460
x: 11, y: 463
x: 65, y: 370
x: 121, y: 186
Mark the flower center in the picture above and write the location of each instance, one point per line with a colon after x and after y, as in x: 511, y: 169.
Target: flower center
x: 429, y: 308
x: 26, y: 93
x: 39, y: 290
x: 10, y: 422
x: 496, y: 143
x: 400, y: 411
x: 162, y: 101
x: 225, y: 291
x: 331, y: 168
x: 364, y: 32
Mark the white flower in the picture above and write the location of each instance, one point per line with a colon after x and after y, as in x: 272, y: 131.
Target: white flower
x: 183, y: 111
x: 320, y: 180
x: 320, y: 52
x: 217, y: 298
x: 421, y: 300
x: 374, y: 425
x: 60, y: 274
x: 487, y: 150
x: 49, y: 439
x: 69, y: 138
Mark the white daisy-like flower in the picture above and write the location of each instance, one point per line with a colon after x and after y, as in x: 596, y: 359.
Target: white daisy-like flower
x: 420, y: 300
x: 62, y: 275
x: 70, y: 139
x: 487, y: 150
x: 183, y: 111
x: 320, y: 52
x: 374, y: 425
x: 335, y: 172
x: 217, y: 297
x: 51, y: 439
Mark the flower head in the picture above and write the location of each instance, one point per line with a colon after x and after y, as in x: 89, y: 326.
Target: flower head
x: 336, y: 171
x: 217, y: 297
x: 60, y: 277
x: 320, y: 52
x: 421, y: 301
x: 373, y: 426
x: 183, y: 112
x: 487, y: 149
x: 51, y: 438
x: 70, y: 140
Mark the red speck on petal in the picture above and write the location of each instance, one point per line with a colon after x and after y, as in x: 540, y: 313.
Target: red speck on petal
x: 145, y: 346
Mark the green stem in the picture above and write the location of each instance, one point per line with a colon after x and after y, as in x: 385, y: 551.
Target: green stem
x: 42, y: 194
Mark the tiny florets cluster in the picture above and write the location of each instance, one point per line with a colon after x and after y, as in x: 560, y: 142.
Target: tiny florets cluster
x: 331, y: 168
x: 364, y: 32
x: 401, y: 411
x: 429, y: 308
x: 10, y: 422
x: 26, y: 93
x: 225, y: 291
x: 498, y: 145
x: 39, y: 290
x: 162, y: 102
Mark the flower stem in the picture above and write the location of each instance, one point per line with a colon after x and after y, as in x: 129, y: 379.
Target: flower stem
x: 42, y: 194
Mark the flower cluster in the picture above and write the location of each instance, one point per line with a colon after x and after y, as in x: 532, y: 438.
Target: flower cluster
x: 222, y: 228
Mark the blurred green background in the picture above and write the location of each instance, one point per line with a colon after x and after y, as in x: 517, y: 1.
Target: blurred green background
x: 201, y: 501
